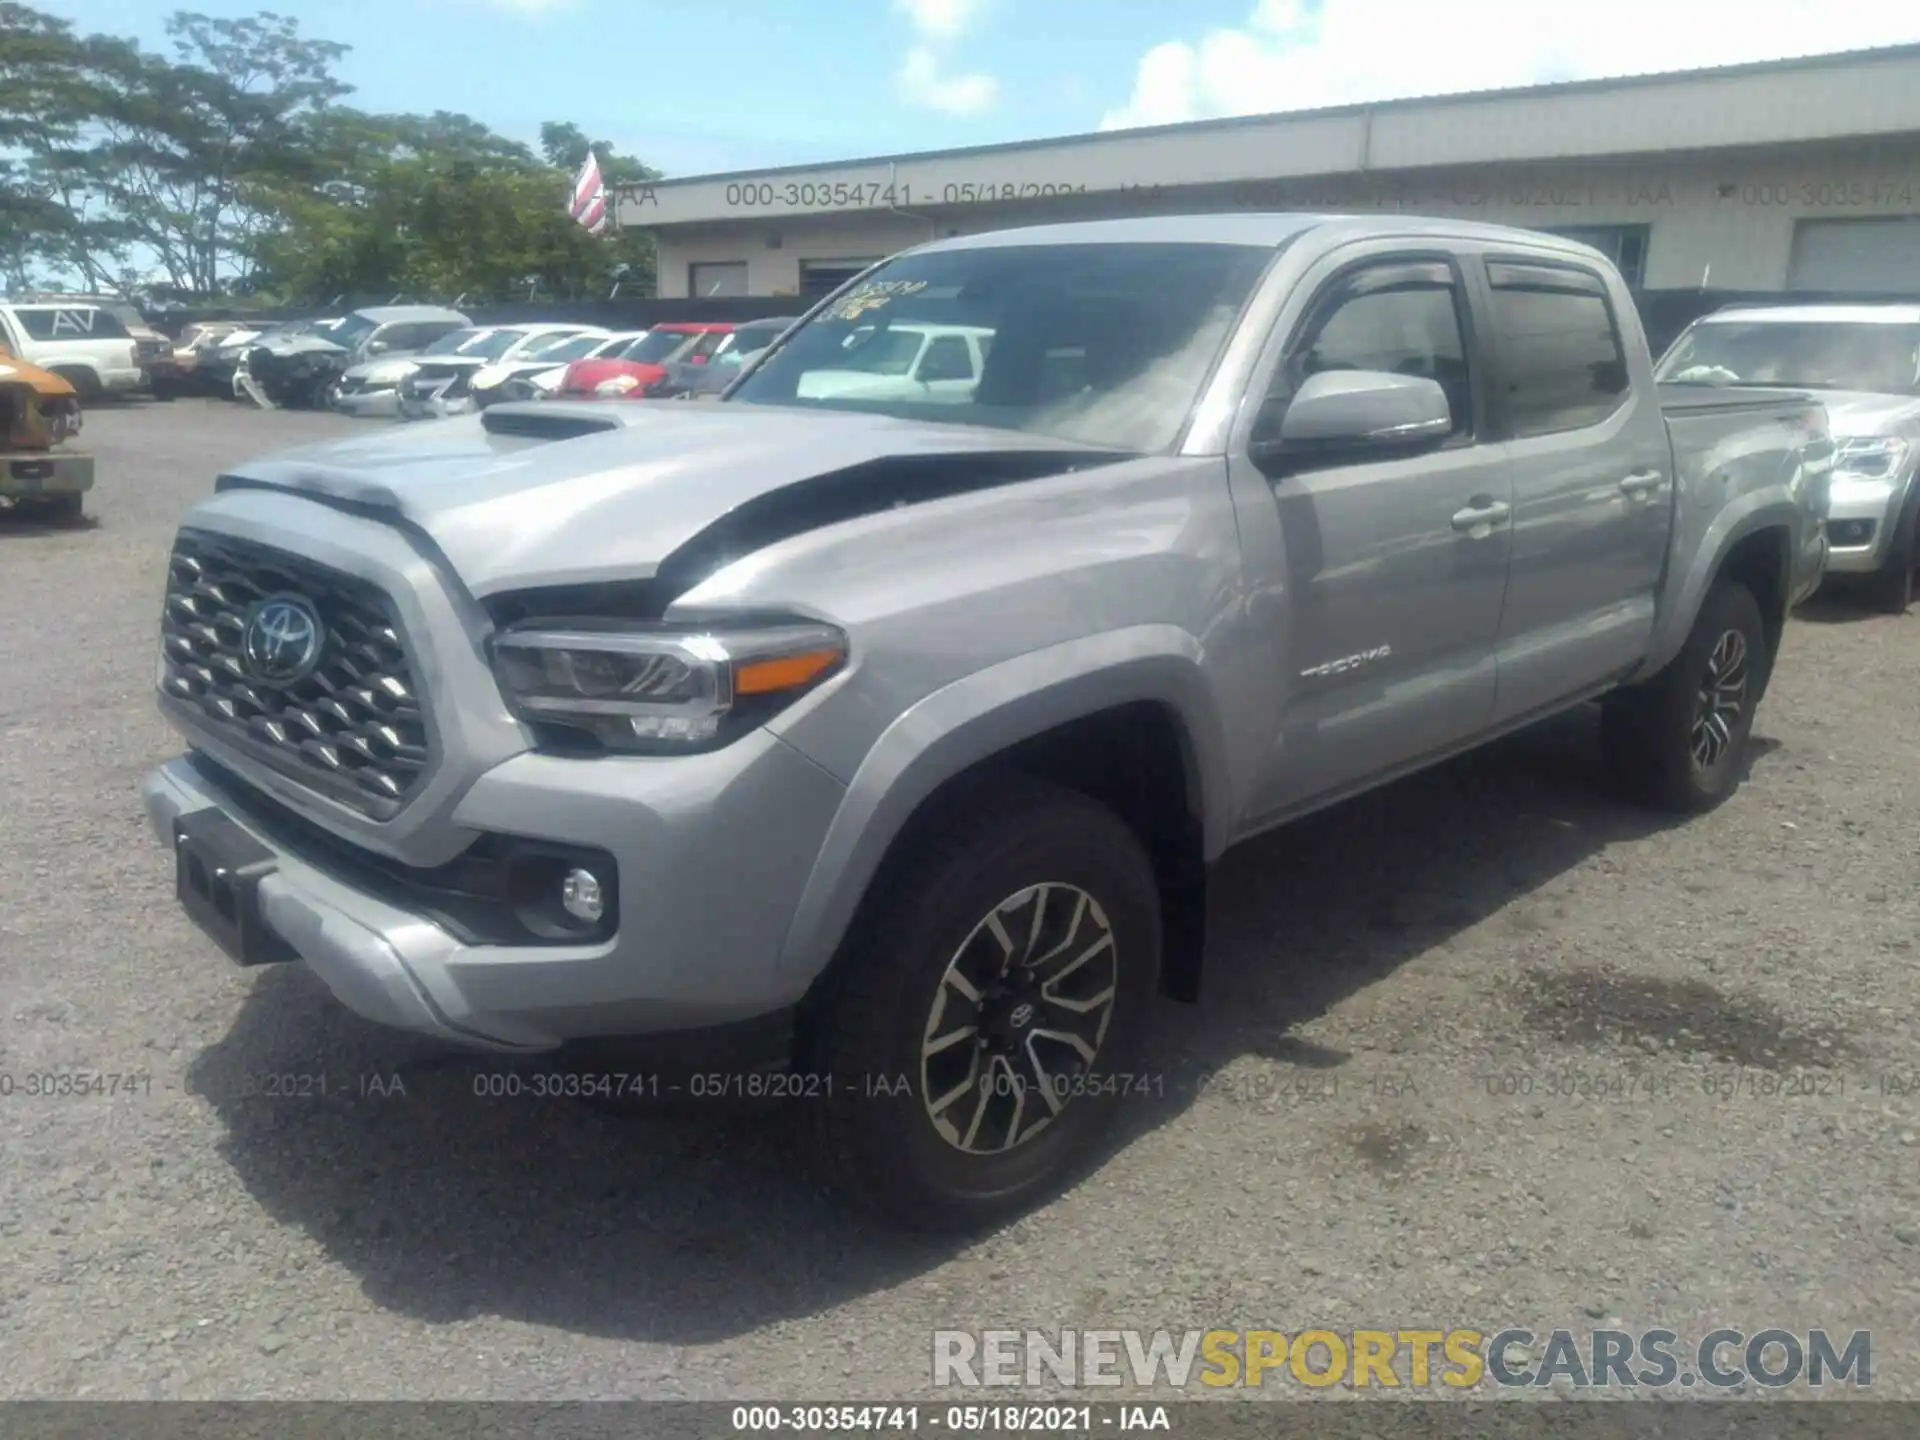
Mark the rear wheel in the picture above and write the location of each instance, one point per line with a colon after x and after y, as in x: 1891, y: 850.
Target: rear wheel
x: 977, y: 1030
x: 64, y: 509
x: 85, y: 383
x: 1678, y: 742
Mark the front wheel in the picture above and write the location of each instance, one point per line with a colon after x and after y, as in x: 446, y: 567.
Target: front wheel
x: 976, y: 1032
x: 1678, y: 742
x: 1890, y: 590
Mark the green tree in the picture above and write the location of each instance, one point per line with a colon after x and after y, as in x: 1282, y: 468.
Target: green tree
x: 193, y: 152
x: 52, y: 217
x: 231, y: 165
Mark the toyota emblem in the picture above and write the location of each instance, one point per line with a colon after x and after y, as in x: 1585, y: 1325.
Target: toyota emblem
x: 283, y: 639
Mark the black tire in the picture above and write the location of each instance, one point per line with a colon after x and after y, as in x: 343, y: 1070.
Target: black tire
x: 322, y: 391
x: 64, y: 509
x: 1890, y: 589
x: 1650, y: 730
x: 873, y: 1135
x: 85, y: 383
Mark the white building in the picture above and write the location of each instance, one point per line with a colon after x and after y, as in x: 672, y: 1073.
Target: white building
x: 1800, y: 174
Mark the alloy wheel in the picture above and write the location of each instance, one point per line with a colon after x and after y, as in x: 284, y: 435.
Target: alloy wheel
x: 1018, y: 1018
x: 1722, y: 700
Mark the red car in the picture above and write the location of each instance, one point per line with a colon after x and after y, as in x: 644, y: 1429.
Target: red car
x: 628, y: 373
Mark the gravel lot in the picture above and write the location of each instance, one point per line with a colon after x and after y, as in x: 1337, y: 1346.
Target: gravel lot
x: 1379, y: 974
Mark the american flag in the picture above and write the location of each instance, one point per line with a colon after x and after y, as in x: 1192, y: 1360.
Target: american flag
x: 589, y: 205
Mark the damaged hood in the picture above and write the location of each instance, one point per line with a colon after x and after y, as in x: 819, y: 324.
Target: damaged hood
x: 284, y: 346
x: 519, y: 497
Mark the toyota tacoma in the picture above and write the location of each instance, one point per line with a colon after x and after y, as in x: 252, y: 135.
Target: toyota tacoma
x: 890, y: 738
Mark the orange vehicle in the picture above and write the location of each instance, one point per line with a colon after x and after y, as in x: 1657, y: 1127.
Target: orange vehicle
x: 38, y: 413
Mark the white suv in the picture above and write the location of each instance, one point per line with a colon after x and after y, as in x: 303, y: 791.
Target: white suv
x: 84, y: 344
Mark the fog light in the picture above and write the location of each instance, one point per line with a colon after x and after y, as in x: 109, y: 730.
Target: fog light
x: 581, y: 897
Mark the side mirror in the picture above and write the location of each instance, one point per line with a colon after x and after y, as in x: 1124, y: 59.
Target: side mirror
x: 696, y: 359
x: 1369, y: 412
x: 378, y: 347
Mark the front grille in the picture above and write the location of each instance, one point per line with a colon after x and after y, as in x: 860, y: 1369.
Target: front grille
x: 352, y: 728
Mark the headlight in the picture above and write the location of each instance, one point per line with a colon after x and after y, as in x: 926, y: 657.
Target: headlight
x: 659, y: 689
x: 618, y: 385
x: 1870, y: 459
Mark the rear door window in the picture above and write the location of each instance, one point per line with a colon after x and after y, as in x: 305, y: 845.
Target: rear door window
x: 1562, y: 364
x: 69, y: 322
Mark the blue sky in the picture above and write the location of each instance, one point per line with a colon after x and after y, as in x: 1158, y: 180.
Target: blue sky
x: 696, y: 86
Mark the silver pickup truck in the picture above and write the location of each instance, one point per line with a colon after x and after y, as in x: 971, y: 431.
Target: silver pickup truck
x: 888, y: 738
x: 1863, y: 361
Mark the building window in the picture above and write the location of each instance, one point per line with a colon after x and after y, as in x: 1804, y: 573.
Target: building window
x: 1624, y: 245
x: 727, y: 277
x: 820, y: 278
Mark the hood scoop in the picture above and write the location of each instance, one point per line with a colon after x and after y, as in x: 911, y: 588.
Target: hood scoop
x: 545, y: 422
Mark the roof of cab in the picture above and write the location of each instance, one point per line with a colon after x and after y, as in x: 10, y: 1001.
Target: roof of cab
x: 1241, y: 228
x: 410, y: 314
x: 1816, y: 314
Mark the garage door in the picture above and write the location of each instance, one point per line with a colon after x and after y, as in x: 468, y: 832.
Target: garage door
x: 1856, y: 256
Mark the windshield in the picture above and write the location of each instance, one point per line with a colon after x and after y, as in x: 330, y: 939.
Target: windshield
x: 1107, y: 344
x: 454, y: 342
x: 743, y: 344
x: 1810, y: 354
x: 654, y: 347
x: 348, y: 332
x: 561, y: 347
x: 492, y: 344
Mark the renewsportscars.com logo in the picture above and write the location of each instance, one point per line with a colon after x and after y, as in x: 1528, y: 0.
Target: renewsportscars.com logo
x: 1457, y: 1359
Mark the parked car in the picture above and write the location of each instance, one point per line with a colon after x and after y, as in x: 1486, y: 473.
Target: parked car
x: 372, y: 388
x: 443, y: 386
x: 39, y: 413
x: 179, y: 372
x: 152, y: 350
x: 627, y: 373
x: 926, y: 363
x: 1864, y: 363
x: 500, y: 379
x: 891, y: 741
x: 221, y: 366
x: 84, y: 344
x: 306, y: 369
x: 687, y: 381
x: 545, y: 384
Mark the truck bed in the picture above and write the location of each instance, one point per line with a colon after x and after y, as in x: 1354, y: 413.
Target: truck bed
x: 1735, y: 439
x: 1705, y: 399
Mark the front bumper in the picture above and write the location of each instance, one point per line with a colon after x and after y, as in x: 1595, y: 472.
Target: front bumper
x: 29, y: 477
x: 435, y: 407
x: 1860, y: 518
x: 375, y: 403
x: 713, y: 852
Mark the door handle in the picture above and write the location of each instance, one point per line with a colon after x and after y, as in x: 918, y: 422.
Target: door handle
x: 1642, y: 482
x: 1481, y: 516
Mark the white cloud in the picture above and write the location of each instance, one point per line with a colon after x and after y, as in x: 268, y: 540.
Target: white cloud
x: 939, y: 19
x: 921, y: 83
x: 1289, y: 57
